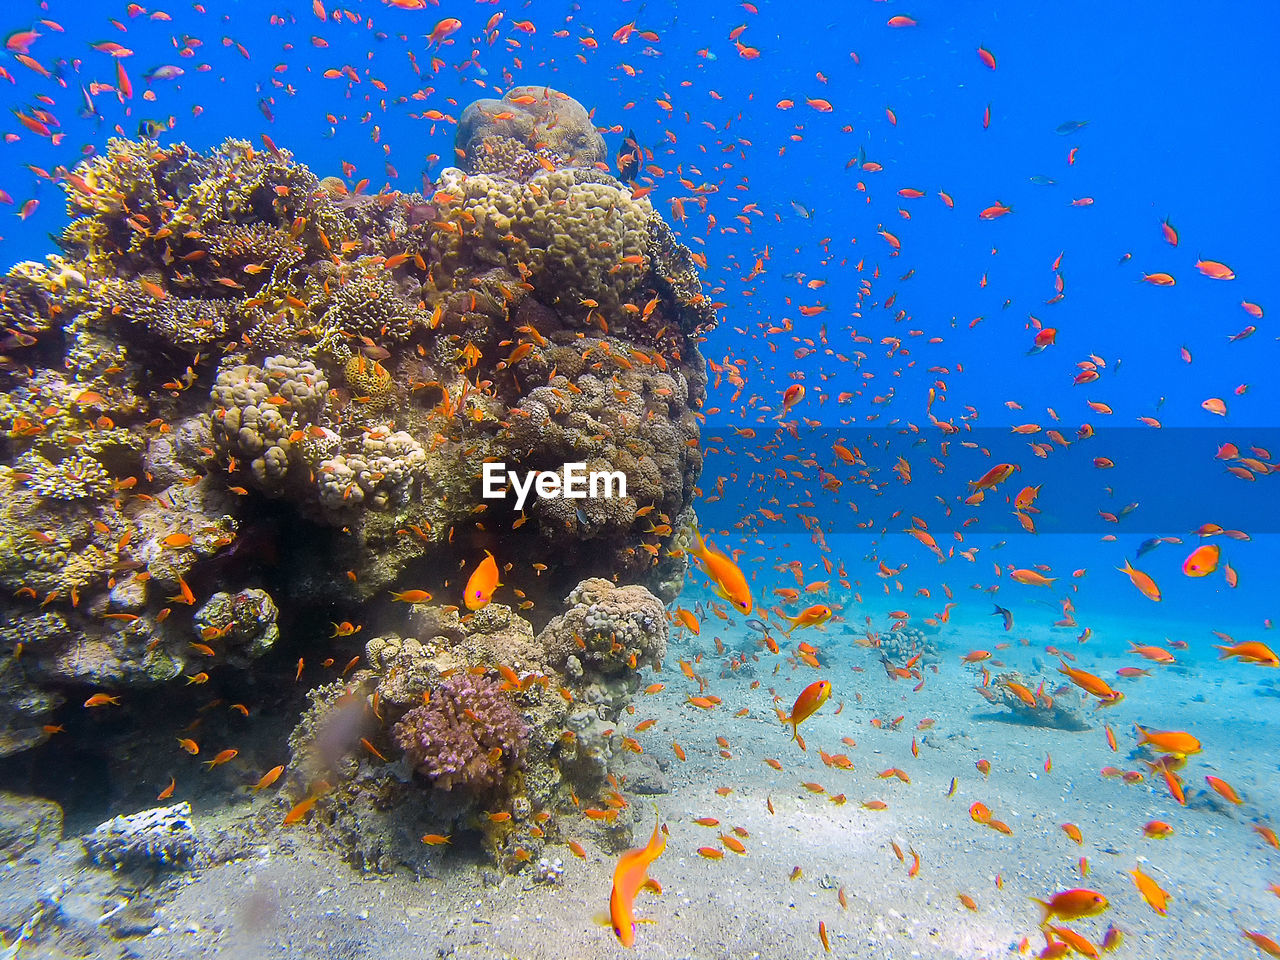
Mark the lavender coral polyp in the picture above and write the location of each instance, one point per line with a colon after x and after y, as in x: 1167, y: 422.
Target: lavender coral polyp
x: 450, y: 748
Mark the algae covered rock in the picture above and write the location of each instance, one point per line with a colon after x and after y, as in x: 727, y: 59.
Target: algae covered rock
x: 159, y: 837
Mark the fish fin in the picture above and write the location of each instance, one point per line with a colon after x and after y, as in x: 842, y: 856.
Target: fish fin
x: 699, y: 545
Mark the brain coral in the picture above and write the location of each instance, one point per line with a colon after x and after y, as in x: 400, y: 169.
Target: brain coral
x: 545, y: 118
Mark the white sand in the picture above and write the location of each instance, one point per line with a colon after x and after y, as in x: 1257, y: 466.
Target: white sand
x: 1215, y: 866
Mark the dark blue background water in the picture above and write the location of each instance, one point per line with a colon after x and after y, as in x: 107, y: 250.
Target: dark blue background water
x: 1176, y: 98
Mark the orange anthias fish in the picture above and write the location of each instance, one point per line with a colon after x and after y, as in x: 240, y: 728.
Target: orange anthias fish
x: 732, y: 585
x: 482, y: 583
x: 632, y: 873
x: 807, y: 704
x: 1072, y: 904
x: 1031, y: 578
x: 1202, y: 561
x: 1170, y: 741
x: 810, y: 617
x: 993, y: 477
x: 1088, y: 682
x: 268, y: 778
x: 1144, y: 583
x: 689, y: 620
x: 1223, y: 789
x: 790, y: 397
x: 1250, y: 651
x: 1157, y: 898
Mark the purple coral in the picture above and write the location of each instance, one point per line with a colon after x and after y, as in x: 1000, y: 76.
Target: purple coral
x: 452, y: 739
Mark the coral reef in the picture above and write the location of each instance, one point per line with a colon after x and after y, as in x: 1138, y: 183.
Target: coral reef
x: 528, y: 747
x: 243, y: 623
x: 607, y: 630
x: 240, y: 398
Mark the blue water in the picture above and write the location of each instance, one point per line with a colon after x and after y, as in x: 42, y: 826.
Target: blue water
x: 1177, y: 124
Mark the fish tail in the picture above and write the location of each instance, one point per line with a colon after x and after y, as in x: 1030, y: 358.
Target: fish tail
x: 1045, y: 909
x: 1226, y: 651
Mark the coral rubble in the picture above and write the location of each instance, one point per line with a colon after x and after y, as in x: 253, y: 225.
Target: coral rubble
x: 1031, y: 705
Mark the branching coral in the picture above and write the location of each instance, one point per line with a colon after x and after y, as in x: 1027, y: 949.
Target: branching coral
x: 469, y: 735
x: 368, y: 304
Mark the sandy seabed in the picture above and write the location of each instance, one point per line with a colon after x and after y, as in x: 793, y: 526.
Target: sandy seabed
x: 292, y: 898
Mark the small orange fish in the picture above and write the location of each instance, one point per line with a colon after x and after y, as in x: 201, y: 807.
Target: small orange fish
x: 1072, y: 904
x: 630, y: 874
x: 268, y: 778
x: 807, y: 704
x: 1223, y: 789
x: 1146, y: 586
x: 299, y: 811
x: 224, y: 756
x: 1202, y: 561
x: 1156, y: 897
x: 1176, y: 742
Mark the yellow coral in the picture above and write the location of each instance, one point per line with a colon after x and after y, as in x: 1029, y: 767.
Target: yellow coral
x: 370, y: 379
x: 577, y: 240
